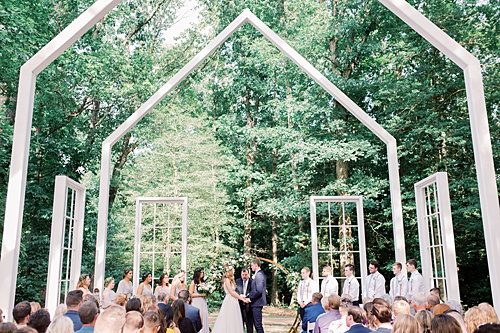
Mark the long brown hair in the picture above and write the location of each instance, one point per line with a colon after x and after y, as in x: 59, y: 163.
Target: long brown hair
x: 179, y: 311
x: 81, y: 280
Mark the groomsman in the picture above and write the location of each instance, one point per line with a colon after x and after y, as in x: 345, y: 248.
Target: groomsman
x: 351, y: 285
x: 329, y: 285
x: 416, y: 282
x: 375, y: 282
x: 399, y: 283
x: 243, y: 287
x: 307, y: 287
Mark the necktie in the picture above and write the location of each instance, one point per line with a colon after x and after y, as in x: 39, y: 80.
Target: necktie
x: 245, y: 287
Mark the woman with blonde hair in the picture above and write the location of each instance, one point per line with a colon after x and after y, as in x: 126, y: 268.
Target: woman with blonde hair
x: 61, y: 324
x: 108, y: 295
x: 490, y: 312
x: 84, y: 284
x: 406, y: 324
x: 229, y: 319
x: 424, y: 319
x: 474, y: 317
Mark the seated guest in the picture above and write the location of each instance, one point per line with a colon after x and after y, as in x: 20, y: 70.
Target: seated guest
x: 40, y: 320
x: 74, y: 299
x: 7, y: 327
x: 21, y: 313
x: 110, y: 320
x: 400, y: 308
x: 432, y: 301
x: 355, y: 319
x: 445, y: 324
x: 61, y: 324
x: 332, y: 313
x: 488, y: 328
x: 163, y: 305
x: 121, y: 300
x: 381, y: 312
x: 312, y: 310
x: 440, y: 309
x: 25, y: 329
x: 88, y: 314
x: 424, y: 319
x: 152, y: 322
x: 35, y: 306
x: 133, y: 322
x: 405, y: 323
x: 184, y: 324
x: 339, y: 325
x: 134, y: 304
x: 191, y: 312
x: 419, y: 302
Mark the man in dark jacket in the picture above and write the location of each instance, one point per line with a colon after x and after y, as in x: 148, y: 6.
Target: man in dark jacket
x: 243, y: 287
x: 312, y: 311
x: 192, y: 313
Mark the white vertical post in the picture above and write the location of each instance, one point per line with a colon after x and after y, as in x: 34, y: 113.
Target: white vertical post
x: 423, y: 236
x: 362, y: 243
x: 137, y: 244
x: 314, y: 240
x: 184, y: 234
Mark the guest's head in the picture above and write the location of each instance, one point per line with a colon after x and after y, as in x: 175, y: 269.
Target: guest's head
x: 424, y: 319
x: 355, y: 315
x: 184, y: 295
x: 455, y: 305
x: 61, y: 324
x: 401, y: 298
x: 488, y: 328
x: 152, y: 322
x: 110, y: 320
x: 381, y: 311
x: 305, y: 273
x: 316, y: 298
x: 179, y: 311
x: 134, y: 304
x: 21, y: 313
x: 198, y: 275
x: 419, y: 302
x: 35, y: 306
x: 40, y: 320
x: 73, y: 299
x: 109, y: 282
x: 60, y: 310
x: 432, y: 301
x: 474, y: 317
x: 334, y: 302
x: 405, y: 323
x: 458, y: 317
x: 489, y: 311
x: 88, y: 313
x: 90, y: 298
x: 400, y: 308
x: 436, y: 292
x: 7, y: 327
x: 369, y: 317
x: 440, y: 309
x: 162, y: 297
x: 445, y: 324
x: 133, y: 322
x: 148, y: 302
x: 25, y: 329
x: 121, y: 299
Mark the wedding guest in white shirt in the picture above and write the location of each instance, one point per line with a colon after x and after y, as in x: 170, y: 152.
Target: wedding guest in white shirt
x: 375, y: 282
x: 416, y: 282
x: 351, y: 285
x: 329, y: 285
x: 307, y: 287
x: 399, y: 283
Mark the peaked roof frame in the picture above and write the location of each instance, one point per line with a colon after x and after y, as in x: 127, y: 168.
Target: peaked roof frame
x: 490, y: 208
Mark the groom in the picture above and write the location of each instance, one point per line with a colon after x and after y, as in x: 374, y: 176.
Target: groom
x: 257, y: 296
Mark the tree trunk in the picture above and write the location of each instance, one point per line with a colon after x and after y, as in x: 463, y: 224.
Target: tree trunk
x: 274, y: 241
x: 251, y: 149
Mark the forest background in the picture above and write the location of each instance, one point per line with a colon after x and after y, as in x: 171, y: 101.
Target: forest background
x: 248, y: 137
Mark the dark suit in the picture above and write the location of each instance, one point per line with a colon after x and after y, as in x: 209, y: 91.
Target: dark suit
x: 193, y: 314
x: 186, y: 326
x: 311, y: 313
x: 358, y: 328
x: 246, y: 309
x: 258, y: 297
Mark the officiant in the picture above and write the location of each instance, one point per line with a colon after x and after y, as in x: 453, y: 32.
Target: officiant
x: 243, y: 287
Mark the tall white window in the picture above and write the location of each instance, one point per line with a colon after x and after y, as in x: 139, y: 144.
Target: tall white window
x: 437, y: 241
x: 161, y: 229
x: 66, y: 240
x: 338, y: 236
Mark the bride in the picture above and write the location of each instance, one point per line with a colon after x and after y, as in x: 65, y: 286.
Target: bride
x: 229, y: 319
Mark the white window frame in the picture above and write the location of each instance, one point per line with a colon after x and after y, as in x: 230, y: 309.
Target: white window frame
x: 56, y: 254
x: 425, y: 214
x: 358, y: 200
x: 140, y: 201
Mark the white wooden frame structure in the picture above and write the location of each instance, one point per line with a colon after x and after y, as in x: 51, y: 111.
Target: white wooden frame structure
x: 140, y: 201
x: 433, y: 207
x: 358, y: 200
x: 60, y: 217
x: 24, y: 113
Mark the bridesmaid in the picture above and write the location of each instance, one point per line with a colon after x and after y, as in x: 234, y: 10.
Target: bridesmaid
x: 108, y: 295
x: 84, y: 284
x: 198, y: 298
x: 163, y: 286
x: 125, y: 285
x: 178, y: 284
x: 145, y: 286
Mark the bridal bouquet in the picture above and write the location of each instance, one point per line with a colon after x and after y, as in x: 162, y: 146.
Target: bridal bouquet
x: 206, y: 288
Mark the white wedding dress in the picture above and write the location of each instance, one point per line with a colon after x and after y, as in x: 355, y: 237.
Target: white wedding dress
x: 229, y: 319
